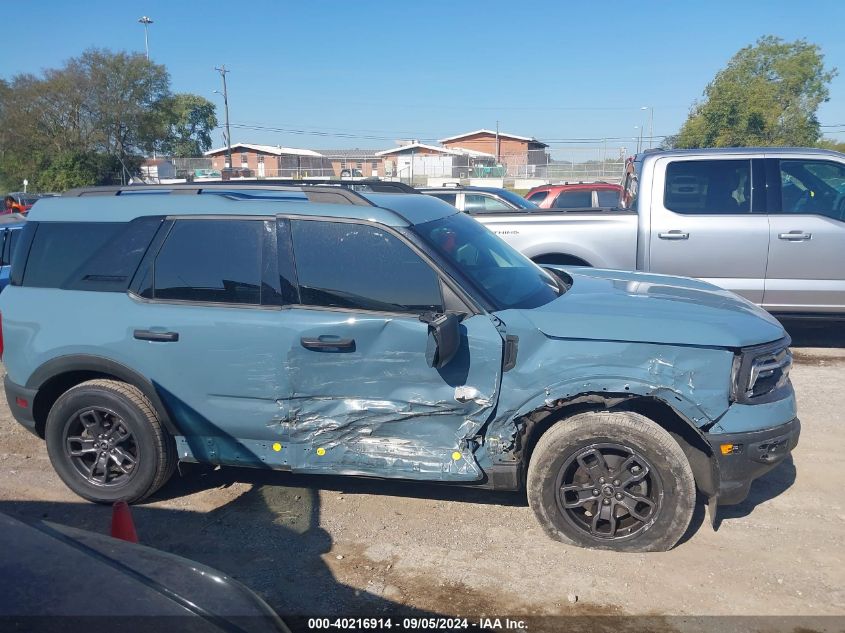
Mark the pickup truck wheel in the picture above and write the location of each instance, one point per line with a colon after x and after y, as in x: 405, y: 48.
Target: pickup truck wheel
x: 107, y: 444
x: 614, y: 481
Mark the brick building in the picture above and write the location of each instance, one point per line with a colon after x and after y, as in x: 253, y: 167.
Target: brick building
x: 354, y: 162
x: 519, y: 154
x: 415, y: 159
x: 272, y: 161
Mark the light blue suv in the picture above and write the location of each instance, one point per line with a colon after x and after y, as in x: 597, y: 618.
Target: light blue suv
x: 321, y: 330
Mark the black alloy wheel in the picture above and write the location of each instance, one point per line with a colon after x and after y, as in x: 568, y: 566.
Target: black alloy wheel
x: 101, y: 447
x: 609, y: 491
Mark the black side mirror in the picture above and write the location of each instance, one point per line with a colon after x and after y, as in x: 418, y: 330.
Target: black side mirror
x: 444, y: 338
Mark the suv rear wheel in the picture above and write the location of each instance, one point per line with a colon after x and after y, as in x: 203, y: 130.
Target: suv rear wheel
x: 614, y: 481
x: 107, y: 444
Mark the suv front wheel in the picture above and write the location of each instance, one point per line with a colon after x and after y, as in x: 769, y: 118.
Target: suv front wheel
x: 107, y: 444
x: 611, y: 480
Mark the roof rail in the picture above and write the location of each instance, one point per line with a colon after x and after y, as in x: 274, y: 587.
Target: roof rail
x: 363, y: 184
x: 317, y: 193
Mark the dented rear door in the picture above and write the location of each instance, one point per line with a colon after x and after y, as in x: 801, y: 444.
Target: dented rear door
x: 361, y: 397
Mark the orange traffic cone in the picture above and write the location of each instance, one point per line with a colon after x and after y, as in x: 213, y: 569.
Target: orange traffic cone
x: 122, y: 526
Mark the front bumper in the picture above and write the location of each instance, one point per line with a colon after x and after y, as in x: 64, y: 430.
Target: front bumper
x: 16, y: 396
x: 754, y: 453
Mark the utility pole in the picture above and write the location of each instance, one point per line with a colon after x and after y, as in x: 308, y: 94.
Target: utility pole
x: 498, y: 152
x: 146, y: 22
x: 222, y: 70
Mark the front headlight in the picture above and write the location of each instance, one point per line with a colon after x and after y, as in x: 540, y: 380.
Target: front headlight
x: 759, y: 372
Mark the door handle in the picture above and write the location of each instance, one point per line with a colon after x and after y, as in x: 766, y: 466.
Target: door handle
x: 328, y: 343
x: 159, y: 337
x: 795, y: 236
x: 673, y: 235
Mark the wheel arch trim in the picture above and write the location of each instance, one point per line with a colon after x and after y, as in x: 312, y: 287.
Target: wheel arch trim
x: 71, y: 363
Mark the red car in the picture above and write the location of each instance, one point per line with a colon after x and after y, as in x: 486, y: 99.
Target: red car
x: 581, y: 195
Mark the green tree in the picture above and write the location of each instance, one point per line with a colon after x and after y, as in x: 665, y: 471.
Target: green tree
x: 80, y: 169
x: 191, y: 120
x: 767, y: 95
x: 89, y: 121
x: 127, y: 98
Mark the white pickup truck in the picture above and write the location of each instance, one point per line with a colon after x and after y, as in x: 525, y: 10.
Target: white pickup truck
x: 766, y: 223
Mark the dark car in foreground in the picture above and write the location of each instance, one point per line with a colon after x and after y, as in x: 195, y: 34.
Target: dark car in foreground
x: 54, y: 577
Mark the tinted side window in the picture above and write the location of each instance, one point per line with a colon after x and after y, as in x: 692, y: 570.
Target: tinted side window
x: 11, y: 245
x: 60, y: 248
x: 110, y: 268
x: 445, y: 197
x: 608, y: 197
x: 217, y: 261
x: 346, y: 265
x: 581, y: 199
x: 474, y: 203
x: 708, y: 187
x: 537, y: 197
x: 813, y: 187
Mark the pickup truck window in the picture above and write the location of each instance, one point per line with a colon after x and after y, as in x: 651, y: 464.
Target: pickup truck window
x: 348, y: 265
x: 503, y: 275
x: 720, y: 187
x: 813, y: 187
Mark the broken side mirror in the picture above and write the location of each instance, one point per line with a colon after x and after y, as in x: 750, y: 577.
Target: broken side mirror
x: 444, y: 338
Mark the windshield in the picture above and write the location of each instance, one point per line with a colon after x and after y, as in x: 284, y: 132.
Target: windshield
x: 515, y: 199
x: 504, y: 276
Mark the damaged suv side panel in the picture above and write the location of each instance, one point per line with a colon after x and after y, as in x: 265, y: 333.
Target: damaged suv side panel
x: 402, y: 340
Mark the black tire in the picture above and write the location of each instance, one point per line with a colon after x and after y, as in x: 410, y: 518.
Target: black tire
x: 648, y: 514
x: 147, y: 450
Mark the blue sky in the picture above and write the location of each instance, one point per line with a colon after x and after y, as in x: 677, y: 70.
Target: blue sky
x: 364, y: 73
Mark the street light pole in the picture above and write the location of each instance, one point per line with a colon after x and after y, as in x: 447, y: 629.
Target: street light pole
x: 222, y: 70
x: 146, y: 22
x: 650, y: 124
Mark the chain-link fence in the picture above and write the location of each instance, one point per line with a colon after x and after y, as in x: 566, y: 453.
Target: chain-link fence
x: 414, y: 166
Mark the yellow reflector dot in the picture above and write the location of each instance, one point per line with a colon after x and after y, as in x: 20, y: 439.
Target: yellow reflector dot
x: 456, y: 455
x: 277, y: 447
x: 321, y: 451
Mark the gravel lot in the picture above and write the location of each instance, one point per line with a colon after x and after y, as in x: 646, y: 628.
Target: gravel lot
x: 341, y: 546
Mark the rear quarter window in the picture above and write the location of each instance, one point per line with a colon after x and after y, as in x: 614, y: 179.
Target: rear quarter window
x: 97, y: 256
x: 60, y: 248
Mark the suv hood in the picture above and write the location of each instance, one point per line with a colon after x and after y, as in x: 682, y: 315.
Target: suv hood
x: 648, y: 308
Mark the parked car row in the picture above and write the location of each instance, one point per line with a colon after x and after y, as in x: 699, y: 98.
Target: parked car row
x: 408, y: 342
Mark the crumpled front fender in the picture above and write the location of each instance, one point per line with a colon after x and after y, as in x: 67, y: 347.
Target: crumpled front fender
x: 693, y: 381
